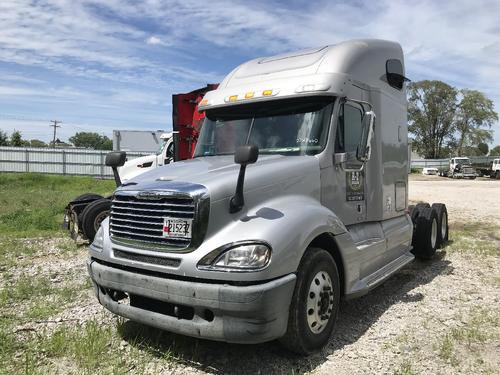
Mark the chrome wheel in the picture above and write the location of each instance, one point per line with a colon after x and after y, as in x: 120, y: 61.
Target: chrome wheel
x: 73, y: 225
x: 320, y: 300
x: 434, y: 232
x: 99, y: 219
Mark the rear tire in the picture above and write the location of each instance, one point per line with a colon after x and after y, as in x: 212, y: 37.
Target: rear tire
x: 74, y: 217
x: 93, y: 215
x: 415, y: 211
x: 425, y: 234
x: 87, y: 197
x: 442, y: 215
x: 315, y: 303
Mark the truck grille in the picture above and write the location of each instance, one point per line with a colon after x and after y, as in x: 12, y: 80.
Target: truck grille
x: 139, y: 222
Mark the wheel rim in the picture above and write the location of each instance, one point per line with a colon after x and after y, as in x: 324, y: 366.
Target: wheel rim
x: 434, y: 233
x: 444, y: 225
x: 73, y: 225
x: 99, y: 218
x: 319, y: 302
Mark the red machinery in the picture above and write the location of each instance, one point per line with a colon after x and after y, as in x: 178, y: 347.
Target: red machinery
x: 186, y: 121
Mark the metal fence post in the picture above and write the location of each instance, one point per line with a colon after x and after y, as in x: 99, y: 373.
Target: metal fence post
x: 27, y: 159
x: 102, y: 164
x: 64, y: 162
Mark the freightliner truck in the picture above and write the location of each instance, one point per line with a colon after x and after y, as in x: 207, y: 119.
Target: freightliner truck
x: 296, y: 197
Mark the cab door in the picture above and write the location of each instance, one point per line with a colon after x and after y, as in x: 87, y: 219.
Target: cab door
x: 344, y: 185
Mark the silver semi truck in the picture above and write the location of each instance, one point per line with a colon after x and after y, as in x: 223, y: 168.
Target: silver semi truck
x: 296, y: 198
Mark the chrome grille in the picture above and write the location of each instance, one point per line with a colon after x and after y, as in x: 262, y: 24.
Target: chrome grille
x: 139, y: 222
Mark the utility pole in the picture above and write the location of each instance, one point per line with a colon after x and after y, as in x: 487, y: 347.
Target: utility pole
x: 55, y: 126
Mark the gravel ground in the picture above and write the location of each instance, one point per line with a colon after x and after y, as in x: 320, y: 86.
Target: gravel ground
x: 405, y: 326
x: 466, y: 200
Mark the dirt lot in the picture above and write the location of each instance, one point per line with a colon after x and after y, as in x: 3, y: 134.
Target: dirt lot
x: 472, y: 200
x: 437, y: 317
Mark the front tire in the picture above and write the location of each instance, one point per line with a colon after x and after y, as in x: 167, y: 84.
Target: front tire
x: 315, y: 303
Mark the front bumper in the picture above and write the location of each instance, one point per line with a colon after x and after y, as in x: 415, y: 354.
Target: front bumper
x: 238, y: 314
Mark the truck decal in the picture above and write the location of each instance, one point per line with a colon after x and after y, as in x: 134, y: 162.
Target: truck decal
x: 355, y: 186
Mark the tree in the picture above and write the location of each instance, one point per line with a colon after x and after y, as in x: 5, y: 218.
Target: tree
x: 474, y: 113
x: 16, y: 139
x: 4, y: 138
x: 431, y: 114
x: 37, y: 143
x: 482, y: 149
x: 91, y: 140
x: 495, y: 151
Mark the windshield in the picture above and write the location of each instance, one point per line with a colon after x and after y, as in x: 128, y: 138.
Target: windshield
x: 162, y: 146
x: 292, y: 127
x: 462, y: 161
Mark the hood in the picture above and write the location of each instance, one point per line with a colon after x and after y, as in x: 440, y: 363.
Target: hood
x: 219, y: 174
x: 130, y: 170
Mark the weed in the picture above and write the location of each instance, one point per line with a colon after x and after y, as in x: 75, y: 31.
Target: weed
x: 26, y: 288
x: 478, y: 327
x: 12, y: 248
x: 405, y: 368
x: 90, y: 344
x: 446, y: 350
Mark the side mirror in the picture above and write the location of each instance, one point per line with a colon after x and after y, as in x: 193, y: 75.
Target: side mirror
x: 116, y: 159
x: 244, y: 155
x: 247, y: 154
x: 364, y: 150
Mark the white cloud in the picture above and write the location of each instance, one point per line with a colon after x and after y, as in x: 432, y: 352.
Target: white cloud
x: 154, y: 40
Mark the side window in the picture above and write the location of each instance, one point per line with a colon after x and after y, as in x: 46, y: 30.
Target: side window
x: 394, y: 73
x: 349, y: 129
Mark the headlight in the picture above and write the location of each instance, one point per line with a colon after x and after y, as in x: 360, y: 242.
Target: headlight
x: 98, y: 240
x: 243, y: 257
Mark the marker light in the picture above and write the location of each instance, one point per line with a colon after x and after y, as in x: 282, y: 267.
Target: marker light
x: 313, y: 87
x: 267, y: 92
x: 249, y: 95
x: 204, y: 102
x: 233, y: 98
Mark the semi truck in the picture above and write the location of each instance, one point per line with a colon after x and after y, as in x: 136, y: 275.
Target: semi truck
x: 495, y: 169
x: 84, y: 214
x: 459, y: 167
x: 296, y: 197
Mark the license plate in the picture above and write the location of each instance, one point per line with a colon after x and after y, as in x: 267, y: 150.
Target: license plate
x: 178, y: 228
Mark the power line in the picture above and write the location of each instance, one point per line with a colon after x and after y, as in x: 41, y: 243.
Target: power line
x: 55, y: 126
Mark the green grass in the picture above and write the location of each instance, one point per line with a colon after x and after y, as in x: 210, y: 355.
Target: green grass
x: 474, y: 238
x: 446, y: 350
x: 406, y: 368
x: 480, y: 327
x: 25, y: 288
x: 32, y: 204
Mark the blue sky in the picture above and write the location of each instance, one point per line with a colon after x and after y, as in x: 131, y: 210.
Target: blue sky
x: 114, y: 64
